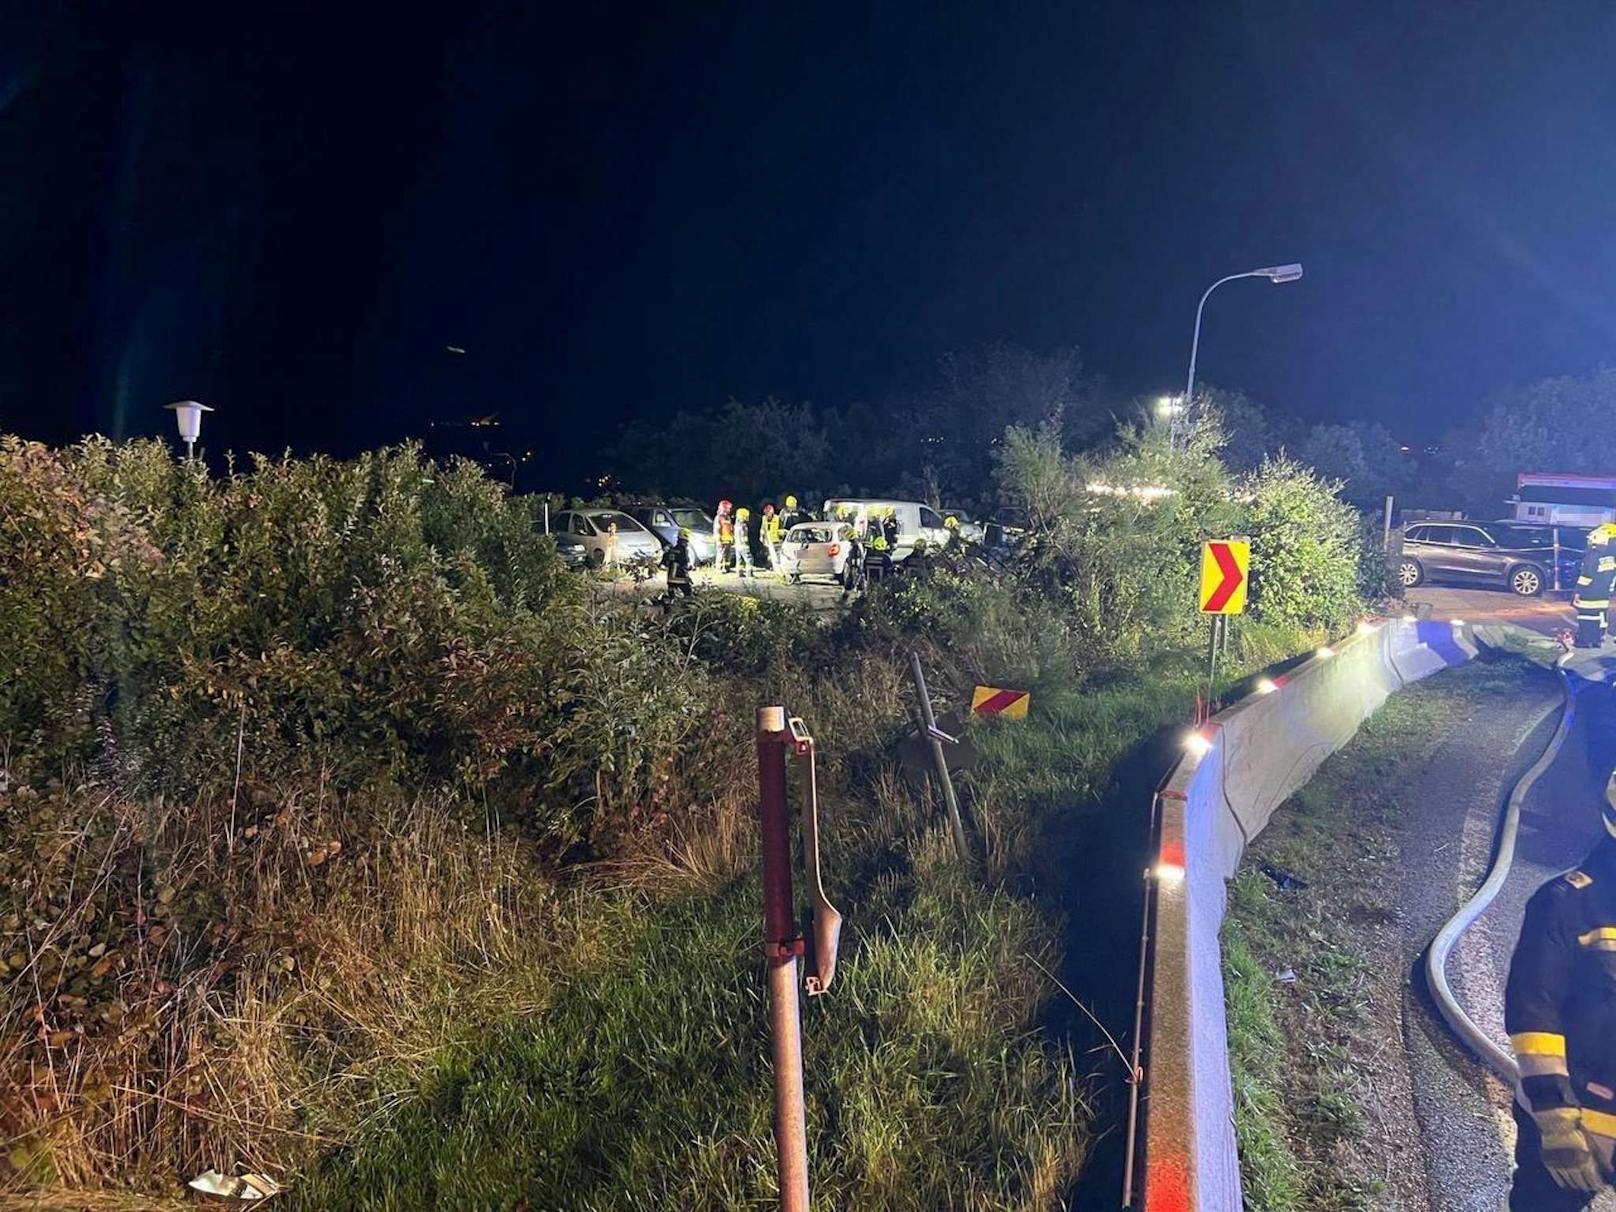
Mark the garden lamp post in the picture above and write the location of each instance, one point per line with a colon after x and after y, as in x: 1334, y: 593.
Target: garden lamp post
x: 188, y: 413
x: 1274, y: 273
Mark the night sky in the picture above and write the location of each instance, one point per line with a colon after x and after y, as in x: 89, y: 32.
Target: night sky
x: 620, y: 212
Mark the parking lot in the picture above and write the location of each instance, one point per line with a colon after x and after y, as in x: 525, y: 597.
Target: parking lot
x: 814, y: 593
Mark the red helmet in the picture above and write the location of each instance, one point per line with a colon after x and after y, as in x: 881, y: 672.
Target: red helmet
x: 725, y: 505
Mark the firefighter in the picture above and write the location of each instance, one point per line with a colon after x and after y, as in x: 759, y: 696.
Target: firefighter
x: 770, y: 531
x: 853, y: 571
x: 743, y: 543
x: 676, y: 560
x: 1560, y: 1012
x: 890, y: 528
x: 1594, y: 583
x: 723, y: 536
x: 790, y: 514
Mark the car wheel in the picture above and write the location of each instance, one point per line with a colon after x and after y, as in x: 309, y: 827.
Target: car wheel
x: 1409, y: 573
x: 597, y: 557
x: 1526, y: 581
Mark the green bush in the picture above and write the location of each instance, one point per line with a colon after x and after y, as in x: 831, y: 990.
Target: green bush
x: 1306, y: 554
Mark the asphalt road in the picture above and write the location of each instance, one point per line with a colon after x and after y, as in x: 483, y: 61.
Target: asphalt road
x: 1464, y: 1112
x: 1547, y: 613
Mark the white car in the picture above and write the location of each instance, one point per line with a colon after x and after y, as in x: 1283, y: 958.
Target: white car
x: 815, y: 549
x: 916, y: 520
x: 591, y: 527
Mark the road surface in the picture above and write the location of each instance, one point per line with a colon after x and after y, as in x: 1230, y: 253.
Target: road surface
x: 1547, y: 613
x: 1464, y: 1112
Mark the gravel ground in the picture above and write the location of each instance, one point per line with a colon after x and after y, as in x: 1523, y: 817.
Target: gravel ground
x: 1461, y: 1113
x: 1559, y: 824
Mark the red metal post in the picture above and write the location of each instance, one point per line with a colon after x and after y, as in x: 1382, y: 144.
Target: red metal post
x: 781, y: 947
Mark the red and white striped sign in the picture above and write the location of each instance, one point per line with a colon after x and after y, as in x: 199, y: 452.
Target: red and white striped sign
x: 991, y: 700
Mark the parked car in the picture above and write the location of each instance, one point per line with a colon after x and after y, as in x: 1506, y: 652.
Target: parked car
x: 816, y: 549
x: 970, y: 529
x: 915, y: 520
x: 589, y: 527
x: 1512, y: 555
x: 665, y: 521
x: 571, y: 549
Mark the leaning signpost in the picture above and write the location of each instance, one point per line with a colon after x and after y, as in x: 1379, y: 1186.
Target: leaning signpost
x: 1225, y: 577
x: 783, y: 943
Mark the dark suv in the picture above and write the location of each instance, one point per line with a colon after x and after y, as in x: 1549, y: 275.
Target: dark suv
x: 1512, y: 555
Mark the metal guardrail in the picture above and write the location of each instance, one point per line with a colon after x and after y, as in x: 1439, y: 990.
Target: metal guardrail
x: 1436, y: 957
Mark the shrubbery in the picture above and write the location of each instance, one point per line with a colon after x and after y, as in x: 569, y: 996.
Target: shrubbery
x: 325, y: 779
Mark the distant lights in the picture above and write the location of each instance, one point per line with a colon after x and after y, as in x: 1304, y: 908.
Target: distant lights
x: 1197, y: 744
x: 1365, y: 627
x: 1168, y: 873
x: 1457, y: 622
x: 1139, y: 492
x: 1264, y: 686
x: 1325, y: 652
x: 1409, y: 618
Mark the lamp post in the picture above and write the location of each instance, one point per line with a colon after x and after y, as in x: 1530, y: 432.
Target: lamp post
x: 1274, y: 273
x: 1169, y: 409
x: 188, y: 414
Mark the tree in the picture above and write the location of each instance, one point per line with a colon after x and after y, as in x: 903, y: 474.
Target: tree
x: 982, y: 393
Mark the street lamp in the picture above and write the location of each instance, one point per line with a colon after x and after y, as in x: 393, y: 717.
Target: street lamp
x: 1274, y: 273
x: 1169, y: 409
x: 188, y: 413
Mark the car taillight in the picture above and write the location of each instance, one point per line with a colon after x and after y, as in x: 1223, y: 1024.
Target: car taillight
x: 832, y: 549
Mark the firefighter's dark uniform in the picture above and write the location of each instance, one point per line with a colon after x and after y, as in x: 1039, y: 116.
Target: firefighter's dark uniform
x: 676, y: 560
x: 1595, y: 581
x: 1560, y: 1012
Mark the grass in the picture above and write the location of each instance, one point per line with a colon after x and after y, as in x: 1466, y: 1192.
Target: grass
x: 399, y: 1002
x: 649, y: 1086
x: 1302, y: 1050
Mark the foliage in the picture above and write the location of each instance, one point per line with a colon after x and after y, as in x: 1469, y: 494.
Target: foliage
x: 387, y: 617
x: 1305, y: 547
x: 481, y: 885
x: 1363, y: 456
x: 1117, y: 536
x: 650, y: 1086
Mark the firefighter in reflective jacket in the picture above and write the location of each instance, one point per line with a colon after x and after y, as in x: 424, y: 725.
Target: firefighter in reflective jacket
x: 1560, y: 1012
x: 1594, y: 584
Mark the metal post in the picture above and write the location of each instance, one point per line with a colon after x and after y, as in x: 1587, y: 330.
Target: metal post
x: 1386, y: 529
x: 546, y: 515
x: 1212, y: 668
x: 1135, y: 1070
x: 781, y: 947
x: 1555, y: 531
x: 929, y: 725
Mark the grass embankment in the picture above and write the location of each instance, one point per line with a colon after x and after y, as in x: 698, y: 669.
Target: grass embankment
x: 346, y: 839
x: 1305, y: 1051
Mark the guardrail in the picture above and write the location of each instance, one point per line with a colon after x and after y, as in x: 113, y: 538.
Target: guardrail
x: 1235, y: 771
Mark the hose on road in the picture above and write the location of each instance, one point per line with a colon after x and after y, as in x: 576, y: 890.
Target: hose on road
x: 1436, y: 957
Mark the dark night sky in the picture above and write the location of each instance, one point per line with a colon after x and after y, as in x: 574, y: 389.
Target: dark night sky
x: 620, y: 212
